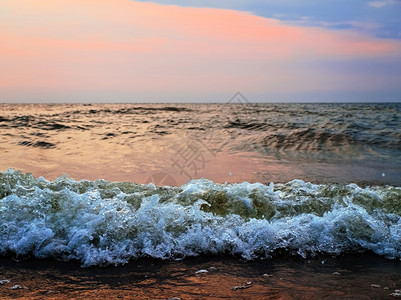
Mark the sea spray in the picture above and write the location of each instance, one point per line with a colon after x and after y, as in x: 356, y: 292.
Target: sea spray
x: 102, y: 223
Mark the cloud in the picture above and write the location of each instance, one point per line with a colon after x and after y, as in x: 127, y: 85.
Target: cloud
x: 126, y: 50
x: 320, y: 13
x: 377, y: 4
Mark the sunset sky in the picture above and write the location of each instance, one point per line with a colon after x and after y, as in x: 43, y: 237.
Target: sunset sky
x: 199, y: 51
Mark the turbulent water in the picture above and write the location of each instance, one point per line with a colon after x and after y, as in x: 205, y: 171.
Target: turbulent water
x: 102, y: 222
x: 350, y: 152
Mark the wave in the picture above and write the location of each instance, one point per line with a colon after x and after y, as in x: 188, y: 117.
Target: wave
x: 293, y: 137
x: 142, y: 109
x: 307, y: 140
x: 40, y: 144
x: 101, y: 223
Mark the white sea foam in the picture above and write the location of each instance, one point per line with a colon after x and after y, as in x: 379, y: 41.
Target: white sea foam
x: 101, y: 223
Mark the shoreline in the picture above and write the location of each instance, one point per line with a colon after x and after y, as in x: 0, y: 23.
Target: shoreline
x: 259, y: 177
x: 357, y: 276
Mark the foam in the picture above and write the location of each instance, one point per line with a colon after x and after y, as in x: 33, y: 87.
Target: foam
x: 102, y: 223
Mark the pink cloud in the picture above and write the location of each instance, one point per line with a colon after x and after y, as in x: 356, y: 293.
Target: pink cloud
x: 87, y: 45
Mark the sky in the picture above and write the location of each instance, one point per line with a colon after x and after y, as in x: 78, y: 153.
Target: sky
x: 200, y: 51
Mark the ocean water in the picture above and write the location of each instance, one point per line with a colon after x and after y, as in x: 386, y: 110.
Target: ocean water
x: 179, y: 180
x: 173, y: 143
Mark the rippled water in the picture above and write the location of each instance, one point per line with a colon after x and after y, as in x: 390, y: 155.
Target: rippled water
x: 224, y: 142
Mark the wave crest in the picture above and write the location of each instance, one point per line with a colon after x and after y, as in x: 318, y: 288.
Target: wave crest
x: 102, y: 222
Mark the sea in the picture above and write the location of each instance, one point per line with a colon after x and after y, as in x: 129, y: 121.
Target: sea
x: 106, y: 184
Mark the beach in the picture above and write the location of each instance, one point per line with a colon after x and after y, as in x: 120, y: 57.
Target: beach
x: 364, y: 276
x: 170, y: 149
x: 140, y: 201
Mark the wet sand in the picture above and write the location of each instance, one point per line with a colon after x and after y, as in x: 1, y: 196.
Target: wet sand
x: 364, y: 276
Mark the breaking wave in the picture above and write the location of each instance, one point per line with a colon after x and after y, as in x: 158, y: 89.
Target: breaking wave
x: 102, y: 223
